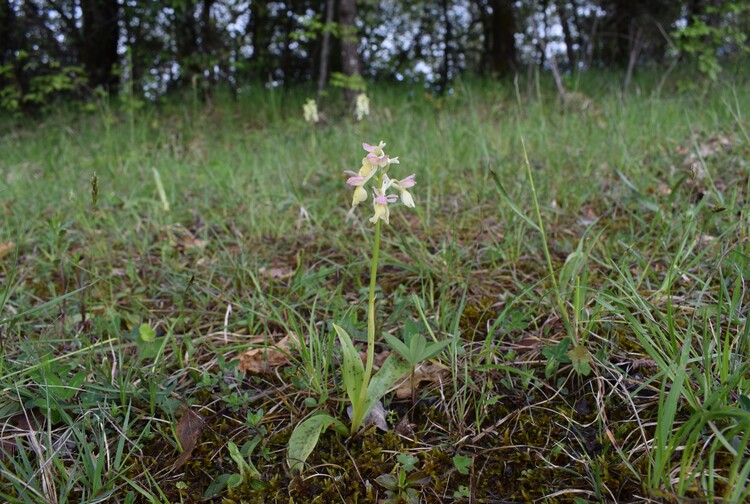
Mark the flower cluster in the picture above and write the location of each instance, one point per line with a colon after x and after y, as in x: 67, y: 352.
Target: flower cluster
x: 362, y: 107
x: 377, y: 160
x: 310, y: 111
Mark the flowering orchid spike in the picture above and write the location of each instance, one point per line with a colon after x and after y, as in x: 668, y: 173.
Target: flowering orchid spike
x: 310, y: 111
x: 362, y: 108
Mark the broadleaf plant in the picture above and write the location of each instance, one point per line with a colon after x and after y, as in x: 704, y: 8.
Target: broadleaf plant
x: 415, y: 349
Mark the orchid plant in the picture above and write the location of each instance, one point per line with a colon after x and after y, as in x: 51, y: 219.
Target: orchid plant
x: 362, y: 388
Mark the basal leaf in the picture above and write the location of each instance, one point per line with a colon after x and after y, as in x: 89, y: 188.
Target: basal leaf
x: 146, y: 333
x: 392, y: 369
x: 352, y: 371
x: 435, y: 348
x: 305, y: 436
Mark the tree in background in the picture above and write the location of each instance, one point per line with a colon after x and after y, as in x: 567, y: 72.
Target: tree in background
x: 97, y: 42
x: 629, y: 26
x: 498, y: 18
x: 51, y: 48
x: 714, y: 28
x: 350, y: 63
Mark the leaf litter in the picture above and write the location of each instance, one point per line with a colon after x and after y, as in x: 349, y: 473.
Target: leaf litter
x: 265, y: 359
x: 189, y: 429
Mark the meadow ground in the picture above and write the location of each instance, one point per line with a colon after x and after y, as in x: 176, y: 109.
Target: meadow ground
x: 594, y: 297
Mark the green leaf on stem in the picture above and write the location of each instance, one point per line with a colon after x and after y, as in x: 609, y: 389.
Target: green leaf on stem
x: 462, y: 463
x: 418, y: 348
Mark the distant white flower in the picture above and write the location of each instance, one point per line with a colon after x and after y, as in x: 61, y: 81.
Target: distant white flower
x: 362, y: 108
x: 310, y: 111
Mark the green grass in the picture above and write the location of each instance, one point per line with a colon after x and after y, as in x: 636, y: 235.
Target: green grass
x: 223, y: 227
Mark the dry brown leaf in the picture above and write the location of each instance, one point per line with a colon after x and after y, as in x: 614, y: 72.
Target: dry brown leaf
x: 428, y: 372
x: 277, y: 273
x: 183, y: 239
x: 263, y: 360
x: 6, y: 248
x: 189, y: 429
x: 405, y: 428
x: 663, y: 189
x: 18, y: 426
x: 193, y: 243
x: 526, y: 344
x: 588, y: 215
x: 376, y: 416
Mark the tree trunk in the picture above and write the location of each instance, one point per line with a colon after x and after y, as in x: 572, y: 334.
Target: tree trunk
x: 7, y: 22
x: 445, y: 72
x: 501, y: 42
x: 350, y: 63
x: 565, y: 23
x: 325, y: 50
x: 99, y: 42
x: 185, y: 37
x: 260, y: 27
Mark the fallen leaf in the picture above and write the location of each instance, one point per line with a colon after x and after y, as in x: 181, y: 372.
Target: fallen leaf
x: 378, y: 358
x: 18, y: 426
x: 404, y: 427
x: 662, y: 189
x: 705, y: 240
x: 588, y: 215
x: 263, y: 360
x: 526, y: 344
x: 375, y: 416
x: 183, y: 239
x: 189, y: 429
x: 277, y: 273
x: 6, y: 248
x: 428, y: 372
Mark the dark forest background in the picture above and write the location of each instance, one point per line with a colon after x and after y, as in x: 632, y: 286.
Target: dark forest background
x: 51, y: 49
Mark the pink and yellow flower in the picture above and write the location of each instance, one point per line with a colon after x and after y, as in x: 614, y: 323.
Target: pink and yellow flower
x: 376, y: 156
x: 403, y: 185
x: 381, y: 200
x: 358, y: 180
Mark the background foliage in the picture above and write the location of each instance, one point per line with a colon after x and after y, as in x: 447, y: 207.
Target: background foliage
x: 69, y: 48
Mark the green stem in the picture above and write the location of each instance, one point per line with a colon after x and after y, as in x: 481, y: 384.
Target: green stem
x: 358, y: 412
x: 545, y: 247
x: 371, y: 304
